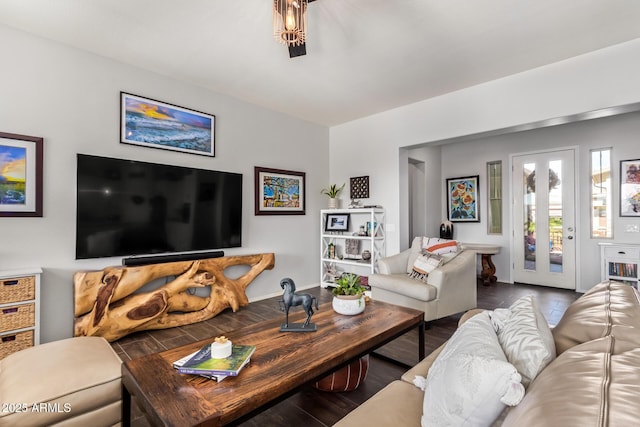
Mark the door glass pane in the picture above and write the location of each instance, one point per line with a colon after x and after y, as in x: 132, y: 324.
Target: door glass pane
x: 555, y: 216
x: 529, y: 220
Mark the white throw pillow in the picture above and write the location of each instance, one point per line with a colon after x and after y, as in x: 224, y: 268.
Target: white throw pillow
x: 471, y: 381
x: 525, y: 337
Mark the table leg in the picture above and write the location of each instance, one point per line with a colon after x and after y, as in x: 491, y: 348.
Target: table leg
x: 126, y: 407
x: 488, y: 270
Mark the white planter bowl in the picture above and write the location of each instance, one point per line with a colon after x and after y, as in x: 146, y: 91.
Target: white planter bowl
x: 348, y: 304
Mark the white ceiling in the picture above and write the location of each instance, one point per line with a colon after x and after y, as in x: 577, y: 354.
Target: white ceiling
x: 363, y: 56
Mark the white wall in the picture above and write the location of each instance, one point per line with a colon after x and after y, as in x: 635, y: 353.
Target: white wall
x: 593, y: 81
x: 71, y: 99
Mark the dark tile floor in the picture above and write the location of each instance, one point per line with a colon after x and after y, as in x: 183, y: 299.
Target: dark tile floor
x: 311, y: 407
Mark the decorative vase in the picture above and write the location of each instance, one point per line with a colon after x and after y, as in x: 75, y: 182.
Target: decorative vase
x: 333, y: 203
x: 348, y: 304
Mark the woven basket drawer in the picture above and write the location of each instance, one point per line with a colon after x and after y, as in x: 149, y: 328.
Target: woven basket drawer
x: 17, y: 317
x: 10, y: 343
x: 17, y: 289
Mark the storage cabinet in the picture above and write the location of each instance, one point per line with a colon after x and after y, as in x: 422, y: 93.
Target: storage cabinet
x: 620, y: 262
x: 19, y: 310
x: 351, y: 247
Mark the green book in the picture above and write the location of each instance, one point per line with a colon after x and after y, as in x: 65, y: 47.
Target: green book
x: 202, y: 363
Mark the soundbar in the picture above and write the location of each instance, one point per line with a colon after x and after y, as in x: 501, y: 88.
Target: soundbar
x: 158, y: 259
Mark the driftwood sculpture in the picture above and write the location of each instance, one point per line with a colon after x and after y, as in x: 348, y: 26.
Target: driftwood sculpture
x: 106, y: 303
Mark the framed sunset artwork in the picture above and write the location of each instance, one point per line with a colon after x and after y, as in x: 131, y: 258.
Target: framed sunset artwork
x: 157, y: 124
x: 20, y: 175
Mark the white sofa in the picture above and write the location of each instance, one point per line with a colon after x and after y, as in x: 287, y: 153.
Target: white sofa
x: 449, y: 289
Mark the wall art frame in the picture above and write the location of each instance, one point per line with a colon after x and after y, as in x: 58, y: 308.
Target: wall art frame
x: 463, y: 199
x: 630, y: 188
x: 21, y: 175
x: 150, y: 123
x: 279, y: 191
x: 359, y: 187
x: 337, y: 222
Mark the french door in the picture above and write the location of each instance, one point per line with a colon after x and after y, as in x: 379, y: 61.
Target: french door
x: 544, y: 236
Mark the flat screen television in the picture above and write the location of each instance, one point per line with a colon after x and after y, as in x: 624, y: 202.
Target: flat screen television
x: 127, y: 208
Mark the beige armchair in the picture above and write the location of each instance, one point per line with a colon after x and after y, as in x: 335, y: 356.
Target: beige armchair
x: 449, y: 289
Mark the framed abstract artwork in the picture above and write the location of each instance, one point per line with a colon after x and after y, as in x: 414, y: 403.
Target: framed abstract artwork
x: 630, y: 188
x: 359, y: 187
x: 156, y: 124
x: 279, y: 192
x: 462, y: 199
x: 20, y: 175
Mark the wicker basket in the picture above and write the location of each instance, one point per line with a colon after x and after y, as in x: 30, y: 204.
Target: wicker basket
x: 11, y: 343
x: 17, y: 289
x: 17, y: 317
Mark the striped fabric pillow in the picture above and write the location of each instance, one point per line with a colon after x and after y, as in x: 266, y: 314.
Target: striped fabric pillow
x: 439, y: 246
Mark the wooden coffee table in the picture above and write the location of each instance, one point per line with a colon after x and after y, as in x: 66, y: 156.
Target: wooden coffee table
x: 283, y: 362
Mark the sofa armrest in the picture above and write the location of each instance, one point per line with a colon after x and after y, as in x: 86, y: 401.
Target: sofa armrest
x: 469, y: 314
x: 394, y: 264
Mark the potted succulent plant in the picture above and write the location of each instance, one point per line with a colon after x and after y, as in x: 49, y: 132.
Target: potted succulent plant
x: 348, y: 295
x: 332, y: 192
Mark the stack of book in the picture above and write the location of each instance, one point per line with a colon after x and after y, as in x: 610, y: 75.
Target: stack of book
x: 201, y: 363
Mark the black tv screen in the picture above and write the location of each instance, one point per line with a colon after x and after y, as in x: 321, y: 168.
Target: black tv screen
x: 127, y: 207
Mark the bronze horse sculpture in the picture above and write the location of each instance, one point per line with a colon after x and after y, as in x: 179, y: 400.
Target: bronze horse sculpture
x: 290, y: 298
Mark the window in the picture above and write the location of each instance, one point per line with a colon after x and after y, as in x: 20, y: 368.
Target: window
x: 601, y: 194
x: 494, y: 179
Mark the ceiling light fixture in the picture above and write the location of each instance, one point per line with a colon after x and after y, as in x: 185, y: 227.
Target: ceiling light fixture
x: 290, y: 21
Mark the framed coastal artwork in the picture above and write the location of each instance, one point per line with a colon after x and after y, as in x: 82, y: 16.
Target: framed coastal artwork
x: 157, y: 124
x: 279, y: 192
x: 337, y: 222
x: 462, y: 199
x: 630, y: 188
x: 20, y: 175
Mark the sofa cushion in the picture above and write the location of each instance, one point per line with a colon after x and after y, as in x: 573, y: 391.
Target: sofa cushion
x: 398, y: 404
x: 525, y: 337
x: 591, y: 384
x: 607, y: 308
x: 471, y: 381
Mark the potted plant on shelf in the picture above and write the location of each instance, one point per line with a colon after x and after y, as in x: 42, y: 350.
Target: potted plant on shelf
x: 348, y: 295
x: 332, y: 192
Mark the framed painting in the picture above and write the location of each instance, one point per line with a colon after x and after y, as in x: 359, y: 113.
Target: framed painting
x: 630, y: 188
x: 279, y: 192
x: 156, y: 124
x: 337, y: 222
x: 20, y: 175
x: 462, y: 199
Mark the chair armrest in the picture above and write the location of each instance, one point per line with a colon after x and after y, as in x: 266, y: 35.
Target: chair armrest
x: 394, y: 264
x: 456, y: 284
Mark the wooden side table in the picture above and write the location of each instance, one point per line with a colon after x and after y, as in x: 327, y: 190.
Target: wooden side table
x: 488, y: 273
